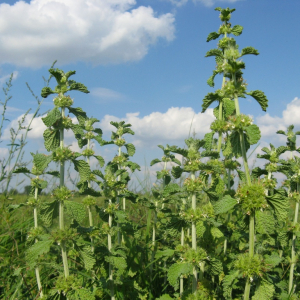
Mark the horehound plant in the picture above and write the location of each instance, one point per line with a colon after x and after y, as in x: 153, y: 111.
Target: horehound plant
x: 243, y: 132
x: 162, y: 194
x: 291, y: 168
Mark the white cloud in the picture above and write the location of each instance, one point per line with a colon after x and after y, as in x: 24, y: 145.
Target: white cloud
x: 269, y: 125
x: 173, y: 125
x: 5, y: 78
x: 214, y: 2
x: 97, y: 31
x: 106, y: 95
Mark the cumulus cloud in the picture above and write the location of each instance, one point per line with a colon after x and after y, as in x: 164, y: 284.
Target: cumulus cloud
x: 96, y: 31
x: 106, y: 95
x: 214, y: 2
x: 269, y: 124
x: 174, y: 125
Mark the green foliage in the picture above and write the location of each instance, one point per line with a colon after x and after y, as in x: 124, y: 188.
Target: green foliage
x: 176, y: 270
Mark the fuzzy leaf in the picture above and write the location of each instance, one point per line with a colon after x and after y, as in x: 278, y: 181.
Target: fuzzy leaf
x: 216, y: 232
x: 164, y: 297
x: 228, y: 106
x: 265, y: 223
x: 79, y: 114
x: 84, y: 294
x: 41, y: 161
x: 46, y: 91
x: 83, y: 168
x: 257, y: 172
x: 176, y: 172
x: 22, y: 170
x: 229, y: 283
x: 224, y: 205
x: 51, y: 139
x: 208, y: 138
x: 87, y: 256
x: 236, y: 144
x: 37, y: 249
x: 130, y: 149
x: 76, y: 210
x: 164, y: 253
x: 237, y: 30
x: 214, y: 52
x: 208, y: 100
x: 53, y: 173
x: 264, y: 291
x: 253, y: 134
x: 274, y: 259
x: 260, y: 97
x: 100, y: 160
x: 212, y: 36
x: 279, y: 202
x: 242, y: 175
x: 249, y: 50
x: 216, y: 266
x: 176, y: 270
x: 48, y: 211
x: 77, y: 86
x: 52, y: 117
x: 211, y: 79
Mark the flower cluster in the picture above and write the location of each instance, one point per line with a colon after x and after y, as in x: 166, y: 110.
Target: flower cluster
x: 63, y: 101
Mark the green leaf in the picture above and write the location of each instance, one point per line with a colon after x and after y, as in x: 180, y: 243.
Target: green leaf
x: 130, y: 149
x: 253, y: 134
x: 37, y: 249
x: 154, y: 161
x: 75, y: 210
x: 237, y: 30
x: 22, y: 170
x: 53, y: 173
x: 214, y: 52
x: 164, y: 297
x: 265, y: 223
x: 216, y: 266
x: 51, y: 139
x: 264, y: 291
x: 208, y: 100
x: 249, y: 50
x: 261, y: 98
x: 87, y: 257
x: 48, y: 211
x: 84, y: 294
x: 52, y: 117
x: 229, y: 283
x: 77, y: 86
x: 224, y: 205
x: 164, y: 253
x: 100, y: 160
x: 176, y: 270
x: 228, y: 106
x: 257, y: 172
x: 211, y: 79
x: 216, y: 232
x: 176, y: 172
x: 83, y: 168
x: 212, y: 36
x: 46, y: 91
x: 41, y: 161
x: 279, y: 202
x: 274, y: 259
x: 79, y: 114
x: 208, y: 138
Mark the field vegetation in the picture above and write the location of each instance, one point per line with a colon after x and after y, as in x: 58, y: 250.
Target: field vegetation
x: 209, y: 228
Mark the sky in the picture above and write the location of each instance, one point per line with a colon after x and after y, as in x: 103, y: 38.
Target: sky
x: 144, y: 62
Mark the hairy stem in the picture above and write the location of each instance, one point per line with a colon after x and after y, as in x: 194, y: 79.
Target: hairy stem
x: 110, y: 271
x: 293, y: 252
x: 194, y: 240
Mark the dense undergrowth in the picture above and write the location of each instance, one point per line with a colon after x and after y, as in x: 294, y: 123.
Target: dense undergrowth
x: 208, y: 229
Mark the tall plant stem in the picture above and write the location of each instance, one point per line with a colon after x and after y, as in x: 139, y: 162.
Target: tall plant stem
x: 89, y: 207
x: 110, y: 271
x: 221, y: 117
x: 61, y: 204
x: 293, y: 254
x: 37, y: 271
x: 194, y: 240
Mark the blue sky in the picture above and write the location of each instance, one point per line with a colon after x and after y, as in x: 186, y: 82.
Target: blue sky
x: 143, y: 61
